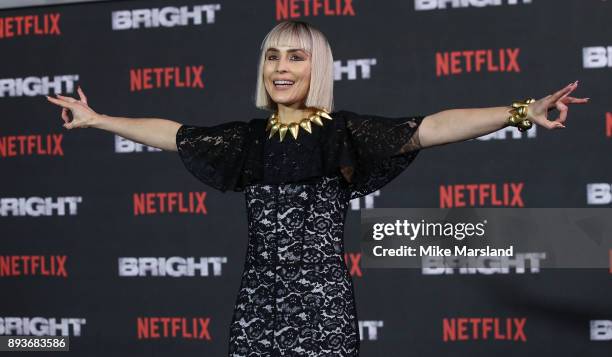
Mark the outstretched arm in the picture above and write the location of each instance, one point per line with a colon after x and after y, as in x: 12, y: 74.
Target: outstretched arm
x: 156, y: 132
x: 454, y: 125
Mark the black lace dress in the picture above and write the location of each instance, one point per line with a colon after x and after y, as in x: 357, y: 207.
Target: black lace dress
x: 296, y: 296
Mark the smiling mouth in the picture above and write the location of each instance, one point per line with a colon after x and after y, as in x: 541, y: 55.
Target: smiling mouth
x: 282, y: 84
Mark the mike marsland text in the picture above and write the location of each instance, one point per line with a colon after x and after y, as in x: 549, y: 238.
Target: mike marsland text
x: 437, y: 251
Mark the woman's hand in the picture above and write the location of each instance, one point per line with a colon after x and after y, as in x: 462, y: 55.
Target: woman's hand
x: 82, y: 115
x: 536, y: 111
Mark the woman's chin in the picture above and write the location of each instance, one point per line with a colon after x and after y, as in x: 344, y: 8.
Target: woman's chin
x: 284, y: 101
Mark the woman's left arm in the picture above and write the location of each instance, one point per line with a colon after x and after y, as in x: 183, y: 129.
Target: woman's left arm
x: 454, y: 125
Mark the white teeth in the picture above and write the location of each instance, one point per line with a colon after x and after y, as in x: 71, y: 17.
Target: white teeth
x: 283, y: 82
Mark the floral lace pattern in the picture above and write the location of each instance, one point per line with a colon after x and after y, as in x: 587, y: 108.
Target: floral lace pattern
x: 296, y: 297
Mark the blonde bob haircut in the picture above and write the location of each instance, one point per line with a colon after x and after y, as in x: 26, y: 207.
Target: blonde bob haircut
x: 305, y: 36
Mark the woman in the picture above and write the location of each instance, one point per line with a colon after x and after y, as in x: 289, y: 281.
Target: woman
x: 298, y: 170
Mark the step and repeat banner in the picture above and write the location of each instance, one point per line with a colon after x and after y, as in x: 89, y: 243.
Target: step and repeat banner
x: 116, y: 246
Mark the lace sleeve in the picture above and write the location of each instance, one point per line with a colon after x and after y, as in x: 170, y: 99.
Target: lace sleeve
x: 377, y: 149
x: 215, y: 154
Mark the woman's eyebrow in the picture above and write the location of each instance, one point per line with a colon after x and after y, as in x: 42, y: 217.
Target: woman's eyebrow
x: 289, y: 50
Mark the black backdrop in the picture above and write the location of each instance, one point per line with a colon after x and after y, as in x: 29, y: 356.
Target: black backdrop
x: 80, y: 200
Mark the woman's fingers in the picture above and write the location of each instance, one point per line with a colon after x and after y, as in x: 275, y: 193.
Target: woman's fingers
x: 74, y: 111
x: 65, y: 107
x: 65, y: 115
x: 60, y: 102
x: 82, y: 95
x: 68, y: 99
x: 562, y: 112
x: 573, y: 100
x: 562, y: 92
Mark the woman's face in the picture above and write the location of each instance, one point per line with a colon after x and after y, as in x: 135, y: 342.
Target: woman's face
x: 287, y: 63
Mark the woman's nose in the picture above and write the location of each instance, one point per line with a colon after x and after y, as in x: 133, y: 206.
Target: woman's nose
x: 282, y: 65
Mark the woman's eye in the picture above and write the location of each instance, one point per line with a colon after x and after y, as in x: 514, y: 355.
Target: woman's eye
x: 274, y: 57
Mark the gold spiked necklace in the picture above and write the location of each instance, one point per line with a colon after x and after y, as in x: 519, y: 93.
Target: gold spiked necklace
x: 274, y: 124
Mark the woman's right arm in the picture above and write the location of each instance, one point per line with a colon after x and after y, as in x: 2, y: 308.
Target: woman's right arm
x: 156, y: 132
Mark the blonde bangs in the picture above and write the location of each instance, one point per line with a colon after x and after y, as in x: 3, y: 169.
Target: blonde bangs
x: 288, y: 35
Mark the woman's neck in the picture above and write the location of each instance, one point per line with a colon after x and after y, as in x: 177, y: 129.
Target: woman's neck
x: 289, y: 115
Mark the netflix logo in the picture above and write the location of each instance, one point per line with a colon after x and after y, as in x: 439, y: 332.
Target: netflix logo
x: 30, y: 265
x: 30, y: 25
x: 460, y: 62
x: 29, y: 145
x: 508, y: 194
x: 173, y: 327
x: 292, y: 9
x: 484, y: 328
x: 169, y: 202
x: 166, y: 77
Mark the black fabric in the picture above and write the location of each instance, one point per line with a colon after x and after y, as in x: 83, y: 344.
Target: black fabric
x: 296, y: 295
x: 225, y: 156
x: 368, y: 151
x: 375, y: 149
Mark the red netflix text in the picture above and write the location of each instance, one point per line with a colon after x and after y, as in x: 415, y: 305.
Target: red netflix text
x: 21, y: 145
x: 166, y: 77
x: 169, y: 202
x: 43, y: 24
x: 24, y: 265
x: 177, y: 327
x: 291, y: 9
x: 482, y: 194
x: 458, y: 62
x: 484, y: 328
